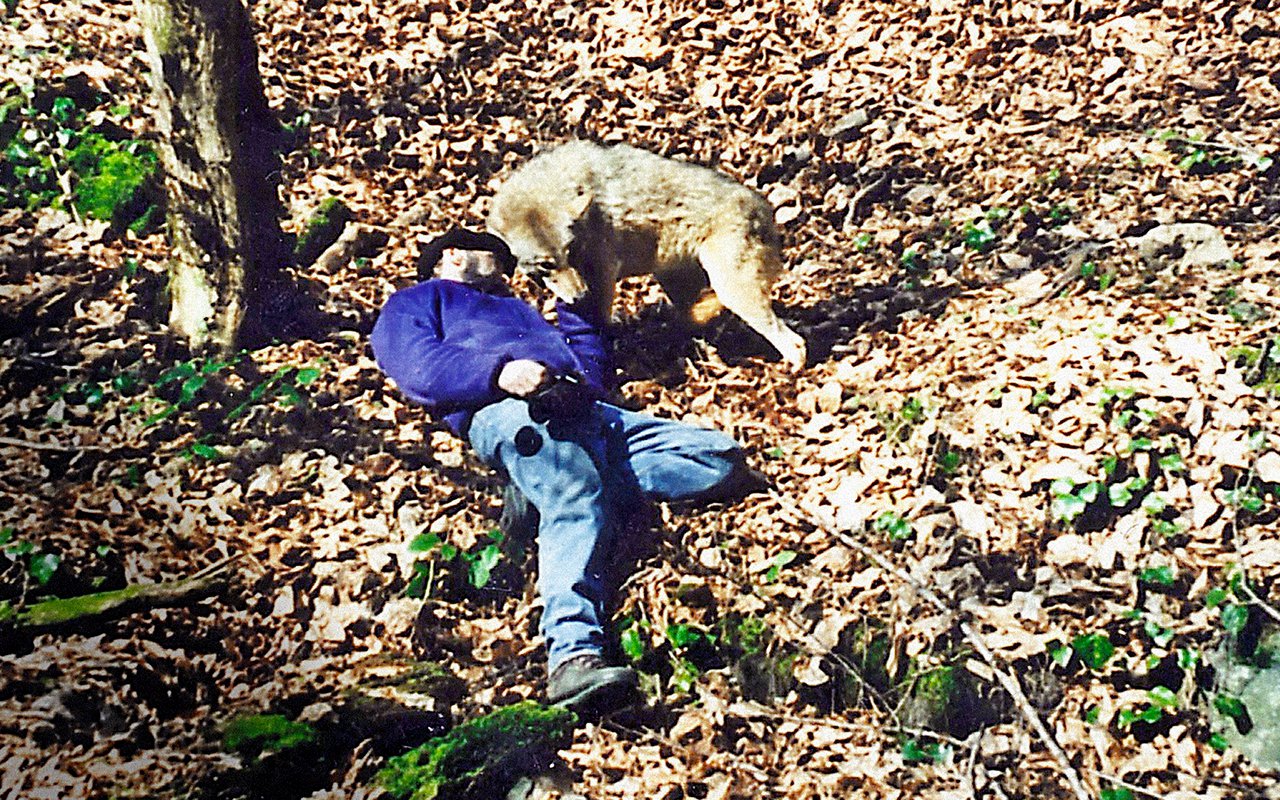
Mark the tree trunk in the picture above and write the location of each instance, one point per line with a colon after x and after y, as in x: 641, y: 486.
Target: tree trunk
x: 217, y: 148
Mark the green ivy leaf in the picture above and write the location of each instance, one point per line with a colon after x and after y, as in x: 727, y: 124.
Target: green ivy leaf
x: 481, y: 565
x: 19, y: 548
x: 684, y: 677
x: 1163, y: 696
x: 979, y: 236
x: 206, y: 451
x: 1160, y: 635
x: 179, y: 373
x: 1154, y: 504
x: 1162, y: 575
x: 306, y: 375
x: 424, y: 543
x: 64, y: 108
x: 1219, y: 742
x: 1234, y: 618
x: 1119, y: 793
x: 1094, y: 649
x: 683, y: 636
x: 632, y: 643
x: 1214, y: 597
x: 1172, y: 463
x: 1067, y: 507
x: 781, y: 560
x: 1230, y: 706
x: 42, y: 567
x: 894, y: 525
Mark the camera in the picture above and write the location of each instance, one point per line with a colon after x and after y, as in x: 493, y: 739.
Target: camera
x: 565, y: 396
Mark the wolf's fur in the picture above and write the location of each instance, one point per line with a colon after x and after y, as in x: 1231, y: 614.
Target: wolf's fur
x: 581, y: 216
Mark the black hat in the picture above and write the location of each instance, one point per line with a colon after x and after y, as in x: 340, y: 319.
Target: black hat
x: 463, y: 239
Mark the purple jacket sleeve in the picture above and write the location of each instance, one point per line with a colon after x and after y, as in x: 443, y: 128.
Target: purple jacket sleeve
x: 583, y: 333
x: 409, y: 346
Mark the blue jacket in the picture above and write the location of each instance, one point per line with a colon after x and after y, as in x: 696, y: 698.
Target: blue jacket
x: 444, y: 342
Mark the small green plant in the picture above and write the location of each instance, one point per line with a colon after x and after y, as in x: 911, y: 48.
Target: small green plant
x: 1093, y: 649
x: 1157, y: 576
x: 1160, y: 701
x: 1230, y: 706
x: 913, y: 262
x: 1246, y: 498
x: 1260, y: 365
x: 913, y: 752
x: 780, y: 561
x: 897, y: 528
x: 1070, y: 500
x: 633, y: 639
x: 479, y: 564
x: 1095, y: 278
x: 1118, y: 793
x: 862, y: 242
x: 40, y: 565
x: 1060, y: 214
x: 979, y: 236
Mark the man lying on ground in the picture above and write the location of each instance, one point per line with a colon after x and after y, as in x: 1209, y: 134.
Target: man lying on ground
x: 528, y: 395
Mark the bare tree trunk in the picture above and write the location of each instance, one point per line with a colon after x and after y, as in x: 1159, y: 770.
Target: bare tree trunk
x: 217, y: 149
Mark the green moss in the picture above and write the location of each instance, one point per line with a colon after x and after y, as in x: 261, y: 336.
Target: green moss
x: 323, y: 229
x: 482, y: 757
x: 751, y: 635
x: 114, y: 178
x: 936, y: 688
x: 69, y: 609
x: 259, y: 732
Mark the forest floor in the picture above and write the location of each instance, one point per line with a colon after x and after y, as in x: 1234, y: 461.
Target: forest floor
x: 1018, y: 400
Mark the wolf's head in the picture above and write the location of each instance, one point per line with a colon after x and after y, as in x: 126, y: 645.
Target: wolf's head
x: 539, y: 229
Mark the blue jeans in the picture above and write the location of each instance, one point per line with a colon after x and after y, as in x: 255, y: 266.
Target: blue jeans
x: 582, y: 475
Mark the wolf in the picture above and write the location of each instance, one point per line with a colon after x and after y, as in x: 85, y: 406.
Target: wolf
x: 580, y: 216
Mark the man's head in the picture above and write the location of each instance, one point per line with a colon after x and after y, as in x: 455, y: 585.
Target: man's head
x: 479, y: 259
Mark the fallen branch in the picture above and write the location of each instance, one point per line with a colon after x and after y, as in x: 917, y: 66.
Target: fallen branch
x: 52, y: 447
x: 866, y: 197
x: 1259, y: 602
x: 64, y: 612
x: 1007, y: 682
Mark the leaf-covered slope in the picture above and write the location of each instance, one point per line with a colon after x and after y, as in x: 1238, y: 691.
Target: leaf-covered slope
x: 1052, y: 427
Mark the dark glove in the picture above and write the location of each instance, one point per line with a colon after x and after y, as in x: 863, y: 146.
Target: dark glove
x: 564, y: 397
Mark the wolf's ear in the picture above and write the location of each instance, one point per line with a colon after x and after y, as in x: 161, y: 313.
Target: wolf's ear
x: 580, y: 202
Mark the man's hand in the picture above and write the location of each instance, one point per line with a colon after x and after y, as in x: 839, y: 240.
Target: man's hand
x: 522, y: 377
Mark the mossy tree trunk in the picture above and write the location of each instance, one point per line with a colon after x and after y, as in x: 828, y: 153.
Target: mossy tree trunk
x: 217, y: 148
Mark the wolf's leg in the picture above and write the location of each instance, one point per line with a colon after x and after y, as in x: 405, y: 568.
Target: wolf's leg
x: 741, y: 272
x: 598, y: 265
